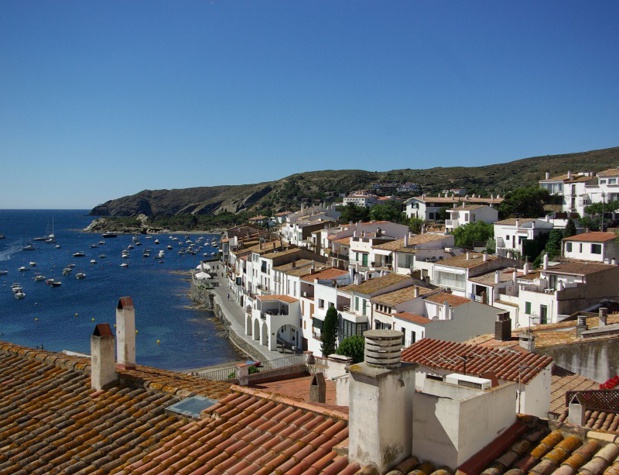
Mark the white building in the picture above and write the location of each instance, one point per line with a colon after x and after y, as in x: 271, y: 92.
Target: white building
x: 511, y: 234
x: 299, y: 226
x: 592, y: 246
x: 466, y: 214
x: 428, y: 208
x: 361, y: 198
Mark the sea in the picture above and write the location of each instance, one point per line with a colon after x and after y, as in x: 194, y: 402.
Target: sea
x: 171, y: 333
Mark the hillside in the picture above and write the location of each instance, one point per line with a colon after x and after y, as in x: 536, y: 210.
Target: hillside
x: 288, y: 193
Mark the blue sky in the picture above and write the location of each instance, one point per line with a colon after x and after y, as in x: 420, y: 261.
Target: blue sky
x: 103, y: 99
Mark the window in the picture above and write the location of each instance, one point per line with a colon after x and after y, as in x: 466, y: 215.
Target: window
x: 527, y: 308
x: 321, y: 303
x: 543, y: 314
x: 351, y: 328
x: 568, y: 247
x: 596, y: 249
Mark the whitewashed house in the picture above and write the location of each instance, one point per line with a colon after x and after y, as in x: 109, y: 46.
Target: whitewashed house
x: 511, y: 234
x: 467, y: 214
x: 592, y: 246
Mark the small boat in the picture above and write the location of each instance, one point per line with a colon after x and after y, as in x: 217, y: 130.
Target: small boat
x: 170, y: 247
x: 124, y: 264
x: 80, y: 275
x: 156, y: 241
x: 67, y: 271
x: 39, y: 278
x: 56, y: 283
x: 109, y: 235
x: 130, y: 246
x: 49, y: 281
x: 23, y: 269
x: 146, y: 254
x: 94, y: 246
x: 20, y: 294
x: 58, y: 246
x: 102, y: 256
x: 33, y: 264
x: 15, y: 287
x: 79, y: 254
x: 28, y: 247
x: 93, y: 261
x: 4, y: 271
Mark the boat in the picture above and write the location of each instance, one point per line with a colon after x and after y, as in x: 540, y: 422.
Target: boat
x: 102, y: 256
x: 20, y: 294
x: 28, y: 247
x: 39, y: 278
x: 15, y: 287
x: 4, y: 271
x: 58, y: 246
x: 94, y: 246
x: 56, y: 283
x: 67, y: 271
x: 80, y: 275
x: 92, y: 261
x: 33, y: 264
x: 79, y: 254
x: 49, y: 281
x: 156, y: 241
x: 23, y: 269
x: 161, y: 254
x: 124, y: 264
x: 109, y: 235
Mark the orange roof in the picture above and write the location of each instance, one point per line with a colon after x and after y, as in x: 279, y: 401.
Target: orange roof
x: 413, y: 318
x: 442, y: 297
x: 594, y: 236
x: 507, y: 364
x: 281, y: 298
x: 327, y: 274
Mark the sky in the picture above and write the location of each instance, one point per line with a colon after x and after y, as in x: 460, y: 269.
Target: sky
x: 104, y: 99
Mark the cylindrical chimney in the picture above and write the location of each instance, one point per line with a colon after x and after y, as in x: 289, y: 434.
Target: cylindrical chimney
x: 382, y: 348
x: 603, y: 314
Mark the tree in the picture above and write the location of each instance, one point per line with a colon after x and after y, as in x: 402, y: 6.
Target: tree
x: 353, y: 346
x: 570, y: 228
x: 553, y: 246
x: 524, y: 203
x: 389, y: 211
x: 329, y: 332
x: 353, y: 213
x: 467, y: 235
x: 416, y: 225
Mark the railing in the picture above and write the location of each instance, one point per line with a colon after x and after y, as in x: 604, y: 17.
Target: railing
x: 230, y: 372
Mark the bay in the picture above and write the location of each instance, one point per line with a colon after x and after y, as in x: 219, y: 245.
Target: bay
x: 171, y: 334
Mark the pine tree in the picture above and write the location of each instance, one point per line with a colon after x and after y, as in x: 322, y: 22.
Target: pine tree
x: 329, y: 332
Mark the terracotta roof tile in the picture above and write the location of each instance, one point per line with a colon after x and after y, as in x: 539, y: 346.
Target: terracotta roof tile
x: 504, y: 363
x: 377, y: 284
x: 595, y: 236
x: 441, y: 297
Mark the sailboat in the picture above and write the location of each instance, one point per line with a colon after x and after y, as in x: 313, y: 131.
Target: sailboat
x: 50, y: 237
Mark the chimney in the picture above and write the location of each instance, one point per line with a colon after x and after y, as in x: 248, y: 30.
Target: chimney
x: 318, y: 388
x: 547, y: 175
x: 503, y: 327
x: 526, y: 340
x: 102, y: 367
x: 497, y: 277
x: 485, y: 256
x: 125, y: 333
x: 581, y: 325
x: 525, y: 268
x: 468, y: 255
x: 406, y: 240
x: 545, y: 262
x: 415, y: 291
x: 569, y: 174
x: 381, y: 403
x: 446, y: 309
x: 603, y: 314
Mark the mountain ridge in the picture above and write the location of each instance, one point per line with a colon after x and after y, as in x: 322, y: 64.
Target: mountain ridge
x: 315, y: 186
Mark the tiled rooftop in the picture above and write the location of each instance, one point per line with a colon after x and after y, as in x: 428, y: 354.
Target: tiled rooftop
x: 595, y: 236
x: 505, y: 363
x: 513, y: 221
x: 468, y: 260
x: 505, y: 275
x: 376, y: 284
x: 400, y: 296
x: 413, y: 318
x: 610, y: 172
x: 327, y: 274
x: 579, y: 268
x: 281, y: 298
x: 442, y: 297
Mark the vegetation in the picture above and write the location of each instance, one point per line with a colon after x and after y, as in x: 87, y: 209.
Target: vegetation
x: 524, y: 203
x: 353, y: 213
x: 416, y: 225
x: 352, y: 346
x: 469, y: 234
x: 329, y: 332
x: 323, y: 186
x: 390, y: 211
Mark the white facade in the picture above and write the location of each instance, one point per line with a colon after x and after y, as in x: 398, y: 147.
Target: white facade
x: 463, y: 215
x: 595, y: 246
x: 361, y: 198
x: 510, y: 234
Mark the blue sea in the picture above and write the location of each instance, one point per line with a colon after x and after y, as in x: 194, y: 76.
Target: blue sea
x: 171, y: 334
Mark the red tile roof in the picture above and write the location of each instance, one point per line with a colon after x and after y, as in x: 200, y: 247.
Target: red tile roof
x: 327, y: 274
x: 507, y: 364
x: 413, y: 318
x: 442, y: 297
x: 595, y: 236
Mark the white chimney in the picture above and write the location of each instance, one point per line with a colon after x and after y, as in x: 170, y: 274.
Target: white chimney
x: 485, y: 256
x: 406, y: 240
x: 525, y: 269
x: 569, y: 175
x: 446, y: 309
x: 547, y: 175
x: 102, y: 367
x: 468, y: 255
x: 497, y: 277
x: 125, y: 333
x: 381, y: 393
x: 545, y: 262
x: 415, y: 291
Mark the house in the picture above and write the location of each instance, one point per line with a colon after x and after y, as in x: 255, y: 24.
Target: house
x: 530, y: 372
x: 511, y: 235
x: 456, y: 272
x: 361, y: 198
x: 467, y: 214
x: 553, y: 293
x: 299, y: 226
x: 430, y: 208
x: 593, y: 246
x: 417, y: 254
x: 365, y: 247
x: 273, y: 320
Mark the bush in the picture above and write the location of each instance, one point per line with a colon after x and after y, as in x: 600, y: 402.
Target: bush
x: 354, y: 347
